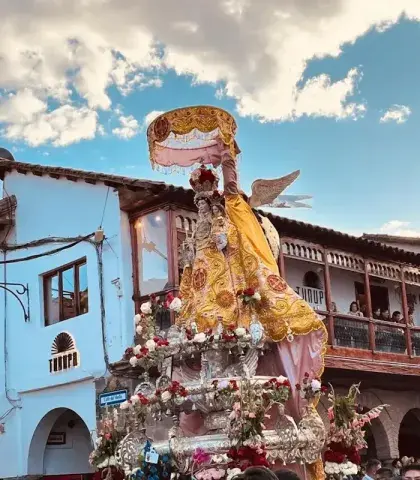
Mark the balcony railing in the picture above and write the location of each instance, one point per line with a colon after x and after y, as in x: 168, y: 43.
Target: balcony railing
x: 372, y: 342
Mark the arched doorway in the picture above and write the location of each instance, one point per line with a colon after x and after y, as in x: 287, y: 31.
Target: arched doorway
x: 409, y: 434
x: 60, y: 446
x: 376, y: 439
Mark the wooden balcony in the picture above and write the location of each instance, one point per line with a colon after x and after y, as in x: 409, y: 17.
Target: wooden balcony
x: 368, y: 345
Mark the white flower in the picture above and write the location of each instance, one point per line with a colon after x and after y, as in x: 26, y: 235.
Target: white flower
x: 139, y: 329
x: 240, y: 332
x: 281, y: 379
x: 247, y: 337
x: 232, y: 472
x: 135, y: 399
x: 223, y: 384
x: 137, y: 319
x: 199, y: 337
x: 256, y: 296
x: 151, y: 345
x: 112, y: 461
x: 146, y: 308
x: 176, y: 304
x: 124, y: 406
x: 98, y: 441
x: 166, y: 396
x: 133, y: 361
x: 219, y: 458
x: 316, y: 385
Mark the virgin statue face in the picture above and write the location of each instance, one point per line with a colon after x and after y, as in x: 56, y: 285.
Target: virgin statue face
x: 203, y: 206
x: 215, y: 210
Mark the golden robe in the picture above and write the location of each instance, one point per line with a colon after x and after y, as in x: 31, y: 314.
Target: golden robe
x: 209, y: 288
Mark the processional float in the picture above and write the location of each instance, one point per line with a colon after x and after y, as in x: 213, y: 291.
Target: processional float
x: 246, y: 351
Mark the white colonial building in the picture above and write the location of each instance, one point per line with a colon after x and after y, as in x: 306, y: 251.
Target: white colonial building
x: 68, y: 298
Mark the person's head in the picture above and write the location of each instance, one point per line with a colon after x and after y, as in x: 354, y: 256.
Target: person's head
x: 203, y: 205
x: 411, y: 472
x: 354, y: 308
x: 372, y: 467
x: 287, y: 475
x: 334, y: 307
x: 377, y: 311
x: 256, y: 473
x: 385, y: 314
x: 396, y: 316
x: 384, y: 474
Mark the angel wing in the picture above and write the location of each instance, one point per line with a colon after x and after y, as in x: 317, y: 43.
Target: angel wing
x: 265, y: 192
x: 290, y: 201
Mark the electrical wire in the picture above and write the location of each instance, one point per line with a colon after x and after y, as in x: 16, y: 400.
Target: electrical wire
x: 103, y: 212
x: 50, y: 252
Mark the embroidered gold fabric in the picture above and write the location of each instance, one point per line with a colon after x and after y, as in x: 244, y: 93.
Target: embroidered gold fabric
x: 184, y: 120
x: 209, y: 287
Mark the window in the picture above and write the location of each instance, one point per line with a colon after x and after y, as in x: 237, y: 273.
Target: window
x: 312, y: 280
x: 66, y: 292
x: 151, y: 232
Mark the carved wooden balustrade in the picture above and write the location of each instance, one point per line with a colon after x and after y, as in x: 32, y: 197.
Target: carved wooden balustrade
x: 355, y: 342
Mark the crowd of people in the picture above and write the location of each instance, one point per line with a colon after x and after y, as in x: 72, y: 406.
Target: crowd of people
x: 405, y: 469
x: 387, y: 338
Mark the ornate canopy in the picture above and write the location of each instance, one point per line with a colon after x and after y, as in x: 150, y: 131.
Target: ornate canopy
x: 185, y: 136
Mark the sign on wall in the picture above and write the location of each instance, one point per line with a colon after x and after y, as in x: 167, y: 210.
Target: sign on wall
x: 64, y: 354
x: 56, y: 438
x: 112, y: 398
x: 314, y: 296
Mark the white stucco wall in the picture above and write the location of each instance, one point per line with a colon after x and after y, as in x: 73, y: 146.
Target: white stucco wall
x: 59, y: 208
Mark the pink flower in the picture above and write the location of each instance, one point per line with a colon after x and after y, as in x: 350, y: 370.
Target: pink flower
x: 201, y: 456
x: 251, y: 415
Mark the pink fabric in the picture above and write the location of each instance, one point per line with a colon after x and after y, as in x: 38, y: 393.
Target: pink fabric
x: 293, y: 360
x: 168, y: 157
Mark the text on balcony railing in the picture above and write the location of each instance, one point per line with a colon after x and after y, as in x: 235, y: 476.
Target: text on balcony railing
x: 314, y: 296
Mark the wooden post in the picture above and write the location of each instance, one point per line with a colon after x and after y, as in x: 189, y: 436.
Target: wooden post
x: 171, y: 247
x: 135, y: 265
x: 281, y: 265
x: 405, y: 313
x: 372, y: 339
x: 328, y: 298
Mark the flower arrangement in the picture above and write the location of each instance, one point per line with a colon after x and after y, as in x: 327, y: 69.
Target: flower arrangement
x: 108, y: 438
x: 346, y: 436
x: 151, y: 354
x: 278, y: 390
x: 311, y: 388
x: 249, y: 296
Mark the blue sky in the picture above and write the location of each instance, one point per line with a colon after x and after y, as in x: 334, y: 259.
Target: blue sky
x: 362, y: 173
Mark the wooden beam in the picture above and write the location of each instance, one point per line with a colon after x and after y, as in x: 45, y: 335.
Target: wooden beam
x: 328, y: 299
x: 372, y: 337
x: 405, y: 313
x: 365, y: 360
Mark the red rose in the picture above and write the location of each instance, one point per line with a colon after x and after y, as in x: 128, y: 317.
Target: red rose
x: 144, y: 350
x: 158, y: 392
x: 324, y: 389
x: 108, y: 436
x: 232, y: 326
x: 143, y: 399
x: 249, y: 292
x: 139, y: 355
x: 298, y: 387
x: 306, y: 375
x: 153, y: 297
x: 169, y: 297
x: 354, y: 457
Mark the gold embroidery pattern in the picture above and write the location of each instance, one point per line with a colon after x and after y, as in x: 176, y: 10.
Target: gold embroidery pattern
x: 225, y: 299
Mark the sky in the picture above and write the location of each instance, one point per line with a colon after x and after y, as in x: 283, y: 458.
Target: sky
x: 329, y: 87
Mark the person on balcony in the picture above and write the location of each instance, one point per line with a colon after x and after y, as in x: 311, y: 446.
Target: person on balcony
x: 359, y: 338
x: 376, y: 313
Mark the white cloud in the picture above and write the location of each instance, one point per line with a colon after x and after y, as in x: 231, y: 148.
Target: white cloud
x: 148, y: 119
x: 399, y: 228
x: 60, y: 127
x: 70, y: 54
x: 128, y: 129
x: 397, y: 114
